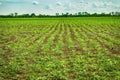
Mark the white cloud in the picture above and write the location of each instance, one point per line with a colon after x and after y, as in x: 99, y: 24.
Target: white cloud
x: 70, y: 6
x: 100, y: 4
x: 49, y: 7
x: 59, y: 4
x: 35, y: 2
x: 105, y: 6
x: 14, y: 1
x: 82, y: 1
x: 0, y: 3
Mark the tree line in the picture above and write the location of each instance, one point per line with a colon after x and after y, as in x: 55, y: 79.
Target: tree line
x: 79, y: 14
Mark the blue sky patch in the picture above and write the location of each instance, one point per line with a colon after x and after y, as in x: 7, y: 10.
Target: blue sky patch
x: 58, y: 6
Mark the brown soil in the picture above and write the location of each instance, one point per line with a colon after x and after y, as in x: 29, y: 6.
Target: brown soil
x: 49, y: 35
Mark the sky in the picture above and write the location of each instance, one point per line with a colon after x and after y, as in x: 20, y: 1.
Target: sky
x: 58, y: 6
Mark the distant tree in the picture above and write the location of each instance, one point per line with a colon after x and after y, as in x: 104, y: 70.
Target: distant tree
x: 12, y: 14
x: 67, y: 13
x: 62, y: 14
x: 85, y: 13
x: 26, y: 15
x: 40, y: 15
x: 111, y: 13
x: 16, y: 14
x: 57, y: 14
x: 94, y: 14
x: 102, y: 14
x: 117, y: 13
x: 70, y: 15
x: 33, y: 15
x: 76, y: 14
x: 79, y: 13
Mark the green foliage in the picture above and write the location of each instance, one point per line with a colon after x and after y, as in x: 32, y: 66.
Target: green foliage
x: 84, y: 48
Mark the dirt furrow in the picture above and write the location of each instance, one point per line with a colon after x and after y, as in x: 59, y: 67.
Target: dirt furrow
x: 36, y: 39
x: 49, y: 35
x: 57, y: 35
x: 74, y: 39
x: 65, y: 49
